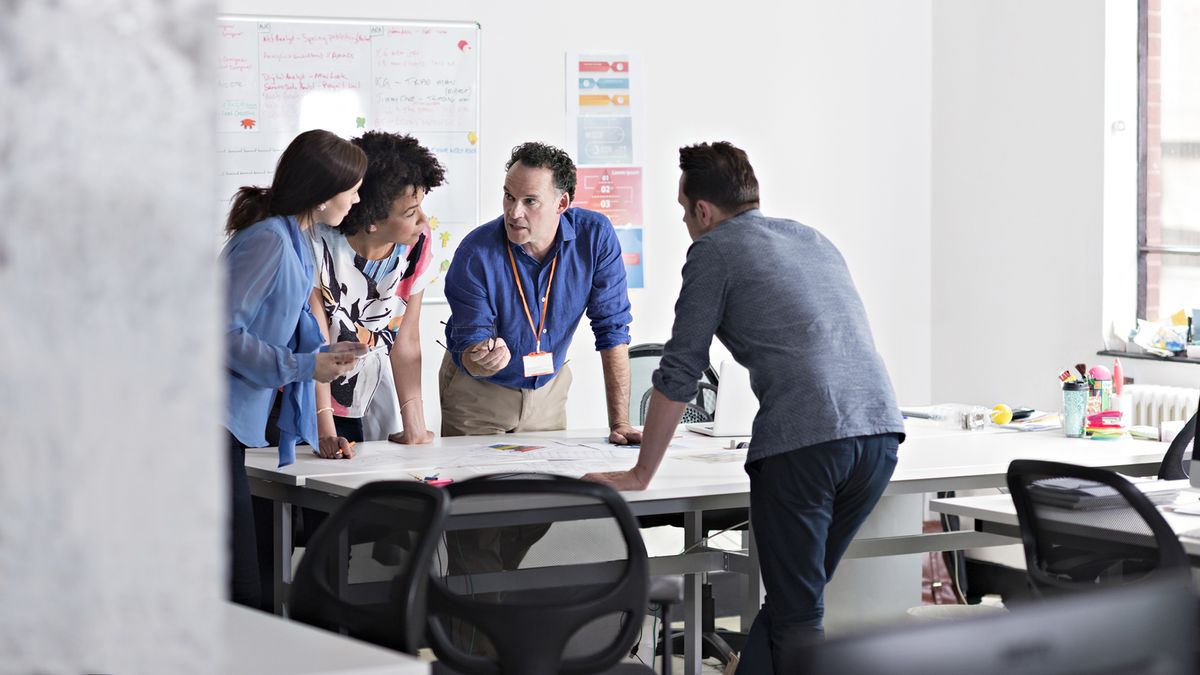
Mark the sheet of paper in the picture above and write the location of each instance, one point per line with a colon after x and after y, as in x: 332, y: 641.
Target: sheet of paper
x: 713, y: 457
x: 585, y: 452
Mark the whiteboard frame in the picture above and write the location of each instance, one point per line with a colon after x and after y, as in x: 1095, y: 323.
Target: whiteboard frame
x: 441, y: 299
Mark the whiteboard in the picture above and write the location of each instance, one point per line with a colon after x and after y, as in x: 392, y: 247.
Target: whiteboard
x: 277, y: 77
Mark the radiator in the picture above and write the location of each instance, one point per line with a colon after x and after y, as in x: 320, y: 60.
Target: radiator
x: 1153, y: 404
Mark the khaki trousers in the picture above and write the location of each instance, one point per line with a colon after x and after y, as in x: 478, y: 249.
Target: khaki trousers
x: 472, y: 407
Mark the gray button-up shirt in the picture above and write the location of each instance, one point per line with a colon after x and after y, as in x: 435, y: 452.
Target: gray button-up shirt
x: 779, y: 296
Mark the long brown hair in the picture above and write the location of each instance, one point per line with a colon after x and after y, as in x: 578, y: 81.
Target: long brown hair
x: 316, y: 166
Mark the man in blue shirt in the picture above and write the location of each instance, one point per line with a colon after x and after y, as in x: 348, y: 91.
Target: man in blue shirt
x: 517, y: 288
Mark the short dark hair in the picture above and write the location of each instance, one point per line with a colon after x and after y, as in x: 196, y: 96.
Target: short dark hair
x: 719, y: 173
x: 316, y: 166
x: 396, y: 163
x: 541, y: 156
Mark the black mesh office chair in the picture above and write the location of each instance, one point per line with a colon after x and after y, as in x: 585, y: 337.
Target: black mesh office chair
x: 692, y: 413
x: 1177, y: 462
x: 716, y: 643
x: 643, y: 360
x: 1066, y: 549
x: 572, y: 600
x: 398, y: 525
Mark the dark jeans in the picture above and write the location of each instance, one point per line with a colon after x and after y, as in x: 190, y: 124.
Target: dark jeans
x: 805, y: 507
x: 243, y: 557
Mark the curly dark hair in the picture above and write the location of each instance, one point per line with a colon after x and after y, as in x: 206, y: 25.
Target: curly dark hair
x: 541, y: 156
x: 396, y: 163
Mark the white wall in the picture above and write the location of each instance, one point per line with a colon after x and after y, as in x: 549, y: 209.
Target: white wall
x: 1018, y: 195
x: 112, y: 482
x: 831, y: 101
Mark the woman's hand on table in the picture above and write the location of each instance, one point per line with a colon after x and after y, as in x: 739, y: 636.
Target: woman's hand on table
x: 407, y: 437
x: 335, y: 447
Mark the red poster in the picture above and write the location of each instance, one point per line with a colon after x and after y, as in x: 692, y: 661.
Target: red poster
x: 615, y: 192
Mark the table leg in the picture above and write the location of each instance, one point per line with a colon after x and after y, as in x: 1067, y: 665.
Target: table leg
x: 753, y: 600
x: 692, y: 607
x: 282, y: 549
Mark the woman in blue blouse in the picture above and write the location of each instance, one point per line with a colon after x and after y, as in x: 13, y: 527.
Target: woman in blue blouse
x: 272, y: 339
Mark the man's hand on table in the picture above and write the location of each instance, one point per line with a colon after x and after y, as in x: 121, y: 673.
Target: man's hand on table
x: 624, y: 481
x: 623, y: 434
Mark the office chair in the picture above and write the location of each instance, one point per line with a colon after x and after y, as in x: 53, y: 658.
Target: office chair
x: 643, y: 360
x: 573, y: 603
x: 1176, y: 463
x: 692, y: 413
x: 402, y: 523
x: 1061, y: 553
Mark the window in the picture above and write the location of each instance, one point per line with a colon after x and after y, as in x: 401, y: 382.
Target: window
x: 1168, y: 157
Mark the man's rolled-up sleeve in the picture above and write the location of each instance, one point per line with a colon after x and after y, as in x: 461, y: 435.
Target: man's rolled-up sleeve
x: 698, y: 313
x: 608, y: 306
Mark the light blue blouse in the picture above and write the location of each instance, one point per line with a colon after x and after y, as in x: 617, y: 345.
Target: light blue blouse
x: 271, y: 335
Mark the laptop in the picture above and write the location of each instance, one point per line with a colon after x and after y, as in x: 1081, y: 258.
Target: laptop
x: 736, y: 404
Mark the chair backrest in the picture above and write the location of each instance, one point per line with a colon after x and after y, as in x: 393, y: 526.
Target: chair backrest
x: 543, y: 574
x: 394, y: 528
x: 1177, y: 461
x: 1084, y: 527
x: 643, y: 360
x: 1149, y: 628
x: 692, y: 413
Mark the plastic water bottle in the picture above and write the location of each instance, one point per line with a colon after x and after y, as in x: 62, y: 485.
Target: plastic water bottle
x: 958, y: 416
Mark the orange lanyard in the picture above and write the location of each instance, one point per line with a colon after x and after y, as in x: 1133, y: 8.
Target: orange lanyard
x: 537, y: 332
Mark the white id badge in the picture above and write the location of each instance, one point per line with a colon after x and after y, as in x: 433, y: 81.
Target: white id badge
x: 539, y: 363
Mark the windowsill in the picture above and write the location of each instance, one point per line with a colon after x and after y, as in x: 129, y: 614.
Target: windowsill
x: 1148, y: 357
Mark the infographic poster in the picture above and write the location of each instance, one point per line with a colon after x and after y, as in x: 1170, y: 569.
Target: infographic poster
x: 604, y: 123
x: 614, y: 191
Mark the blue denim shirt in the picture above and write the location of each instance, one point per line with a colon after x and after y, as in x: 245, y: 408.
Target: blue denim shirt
x: 269, y: 331
x: 589, y: 276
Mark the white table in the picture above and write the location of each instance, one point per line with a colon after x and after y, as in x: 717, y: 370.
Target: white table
x: 265, y: 644
x: 932, y: 459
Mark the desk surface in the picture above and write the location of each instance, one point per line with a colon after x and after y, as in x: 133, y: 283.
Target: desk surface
x: 932, y: 458
x: 265, y: 644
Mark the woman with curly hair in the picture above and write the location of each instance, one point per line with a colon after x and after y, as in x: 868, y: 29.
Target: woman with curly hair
x: 373, y: 270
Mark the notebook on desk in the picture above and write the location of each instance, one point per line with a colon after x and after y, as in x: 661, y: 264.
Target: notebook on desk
x: 736, y: 404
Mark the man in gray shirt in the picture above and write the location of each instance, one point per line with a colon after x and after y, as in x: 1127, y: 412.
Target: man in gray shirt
x: 779, y: 296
